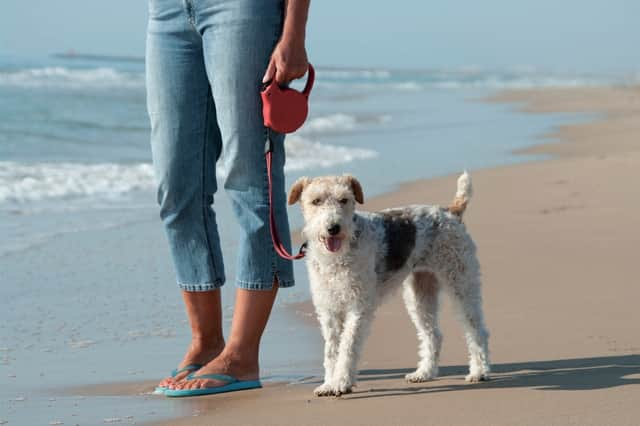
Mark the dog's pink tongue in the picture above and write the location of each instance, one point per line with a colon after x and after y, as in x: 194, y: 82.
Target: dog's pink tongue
x: 333, y: 244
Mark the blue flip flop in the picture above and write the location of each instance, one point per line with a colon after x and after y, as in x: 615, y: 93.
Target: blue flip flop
x: 232, y: 385
x: 191, y: 368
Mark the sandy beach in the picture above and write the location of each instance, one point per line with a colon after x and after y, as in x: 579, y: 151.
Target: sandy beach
x: 558, y: 245
x: 557, y: 241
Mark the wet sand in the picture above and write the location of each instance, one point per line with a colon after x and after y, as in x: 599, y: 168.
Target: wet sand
x: 558, y: 245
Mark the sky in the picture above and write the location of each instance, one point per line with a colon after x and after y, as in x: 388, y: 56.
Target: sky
x: 554, y: 35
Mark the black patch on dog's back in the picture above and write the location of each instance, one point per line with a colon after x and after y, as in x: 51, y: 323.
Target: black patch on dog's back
x: 400, y: 237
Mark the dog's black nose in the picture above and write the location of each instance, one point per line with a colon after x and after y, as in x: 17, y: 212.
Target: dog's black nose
x: 334, y: 229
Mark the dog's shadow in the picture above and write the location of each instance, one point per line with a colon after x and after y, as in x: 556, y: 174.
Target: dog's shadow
x: 577, y: 374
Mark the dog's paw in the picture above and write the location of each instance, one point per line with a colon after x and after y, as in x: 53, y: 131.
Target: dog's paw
x: 477, y: 377
x: 333, y: 389
x: 325, y: 389
x: 420, y: 376
x: 344, y: 387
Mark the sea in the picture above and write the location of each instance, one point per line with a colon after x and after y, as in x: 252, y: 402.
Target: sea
x: 87, y: 288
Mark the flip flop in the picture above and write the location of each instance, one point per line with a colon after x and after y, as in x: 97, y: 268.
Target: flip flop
x: 191, y: 368
x: 232, y: 385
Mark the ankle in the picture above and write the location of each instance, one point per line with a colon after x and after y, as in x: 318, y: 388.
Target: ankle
x: 240, y: 355
x: 211, y: 345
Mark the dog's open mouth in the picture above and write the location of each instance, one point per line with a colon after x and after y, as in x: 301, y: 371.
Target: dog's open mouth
x: 332, y: 244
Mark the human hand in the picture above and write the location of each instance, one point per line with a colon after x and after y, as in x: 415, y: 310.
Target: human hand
x: 288, y: 61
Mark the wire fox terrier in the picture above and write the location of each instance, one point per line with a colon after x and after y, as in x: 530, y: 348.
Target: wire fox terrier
x: 355, y: 259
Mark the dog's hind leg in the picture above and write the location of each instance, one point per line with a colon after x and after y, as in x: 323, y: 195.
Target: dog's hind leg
x: 465, y: 291
x: 421, y: 294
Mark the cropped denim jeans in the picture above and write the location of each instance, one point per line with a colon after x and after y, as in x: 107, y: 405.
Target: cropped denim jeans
x: 205, y: 61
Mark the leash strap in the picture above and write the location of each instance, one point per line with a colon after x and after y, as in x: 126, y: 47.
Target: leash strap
x: 275, y: 238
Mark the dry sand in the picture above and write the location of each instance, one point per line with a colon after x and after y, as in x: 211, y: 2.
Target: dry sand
x: 558, y: 241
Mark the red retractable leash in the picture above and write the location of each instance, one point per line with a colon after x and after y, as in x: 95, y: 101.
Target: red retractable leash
x: 284, y: 110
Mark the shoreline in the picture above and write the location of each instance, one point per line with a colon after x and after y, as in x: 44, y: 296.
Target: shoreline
x: 548, y: 203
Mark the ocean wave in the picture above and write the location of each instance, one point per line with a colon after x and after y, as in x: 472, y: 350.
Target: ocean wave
x: 72, y: 78
x: 33, y: 182
x: 531, y: 82
x: 303, y: 154
x: 340, y: 122
x: 347, y: 74
x: 399, y: 80
x: 24, y: 182
x: 330, y: 123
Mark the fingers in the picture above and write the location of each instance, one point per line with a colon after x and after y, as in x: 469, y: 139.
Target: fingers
x: 286, y: 73
x: 281, y: 76
x: 271, y: 71
x: 282, y: 70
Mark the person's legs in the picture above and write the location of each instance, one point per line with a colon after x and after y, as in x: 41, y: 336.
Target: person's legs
x: 238, y: 38
x: 240, y: 357
x: 186, y: 143
x: 204, y: 310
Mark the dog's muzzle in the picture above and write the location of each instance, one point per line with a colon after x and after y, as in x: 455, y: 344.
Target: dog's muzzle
x: 333, y: 241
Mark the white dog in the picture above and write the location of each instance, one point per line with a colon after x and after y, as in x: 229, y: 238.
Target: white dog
x: 355, y: 259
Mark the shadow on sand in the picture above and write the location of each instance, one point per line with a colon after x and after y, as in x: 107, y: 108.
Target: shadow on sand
x: 564, y: 374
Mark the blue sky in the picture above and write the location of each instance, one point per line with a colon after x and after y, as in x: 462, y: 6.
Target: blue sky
x: 567, y: 35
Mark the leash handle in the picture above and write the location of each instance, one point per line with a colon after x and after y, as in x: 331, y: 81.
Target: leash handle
x: 275, y: 237
x: 310, y: 79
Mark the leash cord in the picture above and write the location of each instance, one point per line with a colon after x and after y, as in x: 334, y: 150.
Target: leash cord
x: 275, y: 237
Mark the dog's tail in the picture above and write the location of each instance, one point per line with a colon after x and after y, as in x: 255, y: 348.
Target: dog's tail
x: 463, y: 195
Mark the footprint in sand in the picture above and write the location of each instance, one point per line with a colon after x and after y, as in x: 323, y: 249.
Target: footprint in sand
x: 559, y: 209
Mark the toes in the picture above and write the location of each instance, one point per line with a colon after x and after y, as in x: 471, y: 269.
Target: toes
x: 475, y: 378
x: 344, y: 386
x: 167, y: 382
x: 181, y: 385
x: 419, y: 377
x: 194, y: 384
x: 343, y: 391
x: 331, y: 390
x: 324, y: 390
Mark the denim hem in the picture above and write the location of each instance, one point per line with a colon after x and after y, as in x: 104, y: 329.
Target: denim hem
x: 201, y: 287
x: 263, y: 285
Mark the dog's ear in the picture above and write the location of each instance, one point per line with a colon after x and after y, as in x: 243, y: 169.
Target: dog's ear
x: 356, y: 188
x: 297, y: 188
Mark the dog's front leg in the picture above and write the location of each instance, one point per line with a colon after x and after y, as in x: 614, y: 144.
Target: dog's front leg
x: 331, y: 325
x: 356, y: 328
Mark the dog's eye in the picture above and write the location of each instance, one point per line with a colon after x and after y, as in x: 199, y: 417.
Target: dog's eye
x: 316, y: 202
x: 344, y: 201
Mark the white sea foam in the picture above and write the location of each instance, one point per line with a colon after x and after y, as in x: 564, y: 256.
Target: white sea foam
x: 32, y: 182
x: 529, y: 82
x: 22, y: 182
x: 330, y: 123
x: 303, y: 154
x: 347, y: 74
x: 340, y: 122
x: 103, y: 77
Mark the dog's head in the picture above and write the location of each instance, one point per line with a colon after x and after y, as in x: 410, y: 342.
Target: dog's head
x: 328, y: 204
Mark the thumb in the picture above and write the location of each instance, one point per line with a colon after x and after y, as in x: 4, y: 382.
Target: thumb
x: 271, y: 71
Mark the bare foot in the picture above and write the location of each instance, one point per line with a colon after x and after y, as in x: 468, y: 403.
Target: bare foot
x: 238, y: 365
x: 198, y: 353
